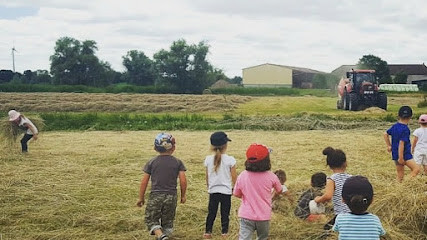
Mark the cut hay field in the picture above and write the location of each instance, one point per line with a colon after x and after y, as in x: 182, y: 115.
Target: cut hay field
x: 105, y: 102
x: 84, y: 185
x: 181, y: 104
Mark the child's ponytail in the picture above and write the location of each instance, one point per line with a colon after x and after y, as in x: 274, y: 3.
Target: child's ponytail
x: 217, y: 160
x: 218, y: 152
x: 335, y: 158
x: 359, y: 204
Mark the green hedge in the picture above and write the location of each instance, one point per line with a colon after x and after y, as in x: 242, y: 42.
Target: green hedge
x: 263, y: 91
x: 124, y: 121
x: 117, y: 88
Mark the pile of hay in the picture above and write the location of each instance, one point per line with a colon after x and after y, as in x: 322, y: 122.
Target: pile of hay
x: 10, y: 132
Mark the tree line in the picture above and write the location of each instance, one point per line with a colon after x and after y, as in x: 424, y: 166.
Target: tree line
x: 183, y: 68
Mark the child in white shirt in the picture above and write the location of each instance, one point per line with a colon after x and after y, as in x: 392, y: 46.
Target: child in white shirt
x: 419, y: 144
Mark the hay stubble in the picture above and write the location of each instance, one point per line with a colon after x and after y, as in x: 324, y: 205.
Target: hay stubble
x: 84, y: 185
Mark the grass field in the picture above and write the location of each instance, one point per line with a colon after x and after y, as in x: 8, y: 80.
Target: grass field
x: 179, y: 104
x: 84, y: 185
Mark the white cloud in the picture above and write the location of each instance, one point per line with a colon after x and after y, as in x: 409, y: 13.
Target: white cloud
x: 316, y: 34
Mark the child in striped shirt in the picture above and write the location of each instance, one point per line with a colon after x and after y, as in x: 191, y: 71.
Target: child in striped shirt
x: 337, y: 162
x: 358, y: 193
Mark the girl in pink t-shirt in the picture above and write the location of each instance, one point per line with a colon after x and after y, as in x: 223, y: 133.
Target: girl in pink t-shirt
x: 254, y: 186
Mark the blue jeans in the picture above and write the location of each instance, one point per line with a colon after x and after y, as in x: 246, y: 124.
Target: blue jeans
x: 247, y: 228
x: 24, y: 142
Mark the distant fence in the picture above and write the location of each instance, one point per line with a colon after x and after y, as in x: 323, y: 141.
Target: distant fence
x: 399, y: 87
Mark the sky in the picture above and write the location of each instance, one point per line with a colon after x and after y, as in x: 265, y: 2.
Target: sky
x: 321, y: 35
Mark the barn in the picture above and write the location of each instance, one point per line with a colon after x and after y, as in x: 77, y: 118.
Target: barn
x: 274, y: 75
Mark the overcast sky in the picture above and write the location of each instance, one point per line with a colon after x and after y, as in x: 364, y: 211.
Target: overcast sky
x: 320, y: 35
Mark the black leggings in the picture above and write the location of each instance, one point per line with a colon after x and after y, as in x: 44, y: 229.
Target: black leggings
x: 24, y: 142
x: 214, y: 200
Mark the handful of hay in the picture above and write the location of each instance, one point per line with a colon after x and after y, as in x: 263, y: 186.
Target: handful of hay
x: 9, y: 131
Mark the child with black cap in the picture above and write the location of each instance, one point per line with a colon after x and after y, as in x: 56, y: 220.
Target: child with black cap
x: 358, y: 193
x: 220, y: 178
x: 400, y: 145
x: 254, y: 186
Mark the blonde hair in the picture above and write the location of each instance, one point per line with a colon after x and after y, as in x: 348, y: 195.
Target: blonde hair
x: 217, y: 158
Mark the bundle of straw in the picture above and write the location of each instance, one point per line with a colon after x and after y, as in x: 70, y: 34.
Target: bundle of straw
x: 9, y: 132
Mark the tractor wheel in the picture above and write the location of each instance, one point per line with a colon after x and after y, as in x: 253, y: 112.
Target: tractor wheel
x: 345, y: 101
x: 353, y: 102
x: 382, y: 100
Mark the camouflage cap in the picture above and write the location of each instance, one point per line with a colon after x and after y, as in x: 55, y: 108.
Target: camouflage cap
x: 164, y: 142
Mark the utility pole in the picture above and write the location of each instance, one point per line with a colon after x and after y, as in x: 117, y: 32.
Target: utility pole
x: 13, y: 57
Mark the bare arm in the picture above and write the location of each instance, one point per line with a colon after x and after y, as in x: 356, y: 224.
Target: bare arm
x: 144, y: 183
x: 233, y: 176
x: 414, y: 143
x: 237, y: 192
x: 207, y: 178
x: 401, y: 147
x: 387, y: 141
x: 183, y: 185
x: 329, y: 192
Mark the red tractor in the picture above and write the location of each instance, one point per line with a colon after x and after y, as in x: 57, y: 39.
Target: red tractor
x: 360, y: 88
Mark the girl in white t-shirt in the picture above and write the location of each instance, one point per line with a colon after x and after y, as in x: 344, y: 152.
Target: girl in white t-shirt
x: 220, y: 178
x: 419, y: 144
x: 22, y: 122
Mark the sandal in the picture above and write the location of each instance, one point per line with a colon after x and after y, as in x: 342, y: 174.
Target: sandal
x: 207, y: 235
x: 163, y: 237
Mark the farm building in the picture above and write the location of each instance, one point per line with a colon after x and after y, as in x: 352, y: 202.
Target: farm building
x: 273, y: 75
x: 417, y: 73
x: 340, y: 71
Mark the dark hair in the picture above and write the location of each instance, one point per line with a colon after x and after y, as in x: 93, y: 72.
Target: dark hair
x: 217, y: 158
x: 260, y: 166
x: 358, y: 204
x: 318, y: 180
x: 335, y: 158
x: 281, y: 175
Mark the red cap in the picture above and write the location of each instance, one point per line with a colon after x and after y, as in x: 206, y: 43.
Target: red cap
x: 257, y: 152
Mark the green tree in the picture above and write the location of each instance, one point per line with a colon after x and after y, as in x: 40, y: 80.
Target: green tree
x: 319, y: 81
x: 184, y: 66
x: 400, y: 78
x: 75, y: 63
x: 236, y: 80
x: 139, y: 68
x: 325, y: 81
x: 43, y: 76
x: 380, y: 66
x: 6, y: 75
x: 28, y: 77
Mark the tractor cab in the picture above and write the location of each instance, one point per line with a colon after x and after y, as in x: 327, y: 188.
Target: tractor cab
x: 363, y: 80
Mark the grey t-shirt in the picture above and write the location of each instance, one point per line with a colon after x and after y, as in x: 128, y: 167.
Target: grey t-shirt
x: 164, y: 171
